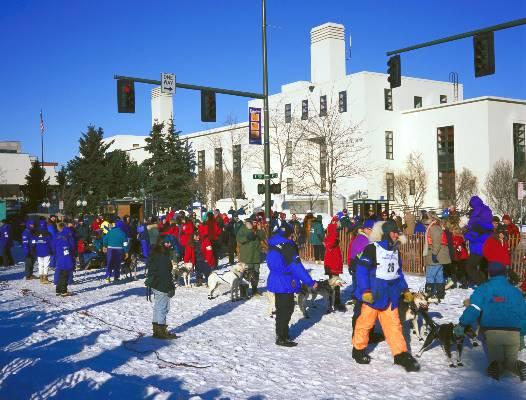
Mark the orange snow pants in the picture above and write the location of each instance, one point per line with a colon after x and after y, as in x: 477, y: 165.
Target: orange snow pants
x: 390, y: 322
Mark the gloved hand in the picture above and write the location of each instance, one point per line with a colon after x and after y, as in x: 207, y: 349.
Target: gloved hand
x: 408, y: 297
x: 251, y: 236
x: 367, y: 297
x: 434, y: 258
x: 521, y: 345
x: 458, y: 330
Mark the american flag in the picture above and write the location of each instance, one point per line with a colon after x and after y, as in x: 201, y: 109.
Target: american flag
x: 41, y: 123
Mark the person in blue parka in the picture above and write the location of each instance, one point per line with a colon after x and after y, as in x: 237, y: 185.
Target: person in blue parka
x: 63, y: 249
x: 501, y: 310
x: 287, y: 273
x: 28, y: 249
x: 41, y: 242
x: 478, y: 230
x: 116, y: 247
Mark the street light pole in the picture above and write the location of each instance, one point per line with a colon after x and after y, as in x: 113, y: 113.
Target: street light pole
x: 265, y: 113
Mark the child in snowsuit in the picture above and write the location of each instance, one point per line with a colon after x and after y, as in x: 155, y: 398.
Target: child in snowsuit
x: 29, y: 250
x: 501, y: 309
x: 380, y: 284
x: 63, y: 249
x: 42, y: 244
x: 333, y: 260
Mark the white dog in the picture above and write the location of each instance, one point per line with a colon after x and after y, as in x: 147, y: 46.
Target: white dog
x: 325, y: 289
x: 184, y: 270
x: 231, y: 278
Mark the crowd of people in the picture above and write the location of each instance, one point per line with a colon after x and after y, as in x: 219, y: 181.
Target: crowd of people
x: 474, y: 252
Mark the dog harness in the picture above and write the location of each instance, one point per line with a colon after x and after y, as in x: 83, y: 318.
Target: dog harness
x: 386, y: 263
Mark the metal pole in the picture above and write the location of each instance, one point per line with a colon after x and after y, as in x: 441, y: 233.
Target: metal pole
x: 42, y: 164
x: 511, y: 24
x: 265, y: 112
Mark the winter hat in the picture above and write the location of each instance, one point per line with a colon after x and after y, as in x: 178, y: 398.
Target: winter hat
x: 496, y: 269
x: 506, y: 217
x: 285, y: 230
x: 495, y: 219
x: 319, y: 217
x: 335, y: 219
x: 368, y: 224
x: 390, y: 226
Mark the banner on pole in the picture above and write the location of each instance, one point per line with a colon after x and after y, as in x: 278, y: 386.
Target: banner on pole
x: 254, y: 125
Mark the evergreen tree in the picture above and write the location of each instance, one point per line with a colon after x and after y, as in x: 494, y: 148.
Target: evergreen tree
x: 36, y: 187
x: 87, y: 172
x: 170, y: 169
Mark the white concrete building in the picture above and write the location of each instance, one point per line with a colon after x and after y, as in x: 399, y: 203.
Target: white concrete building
x: 422, y: 116
x: 132, y: 144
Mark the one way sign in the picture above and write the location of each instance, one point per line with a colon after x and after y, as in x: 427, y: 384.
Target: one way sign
x: 167, y: 83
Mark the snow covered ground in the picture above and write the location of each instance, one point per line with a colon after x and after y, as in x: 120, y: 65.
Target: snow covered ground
x: 98, y: 345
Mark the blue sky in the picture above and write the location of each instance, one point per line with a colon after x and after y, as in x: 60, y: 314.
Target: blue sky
x: 61, y: 55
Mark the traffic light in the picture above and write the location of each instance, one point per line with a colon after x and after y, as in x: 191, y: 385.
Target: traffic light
x: 208, y: 106
x: 394, y: 70
x: 261, y: 188
x: 484, y: 54
x: 125, y: 96
x: 275, y: 188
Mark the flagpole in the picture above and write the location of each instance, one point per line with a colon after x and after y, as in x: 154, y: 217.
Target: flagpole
x: 42, y: 159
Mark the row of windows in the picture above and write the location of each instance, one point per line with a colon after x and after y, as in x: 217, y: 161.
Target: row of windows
x: 417, y: 100
x: 390, y: 186
x: 342, y: 107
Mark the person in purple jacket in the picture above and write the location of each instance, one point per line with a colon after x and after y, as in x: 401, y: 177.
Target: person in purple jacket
x: 63, y: 249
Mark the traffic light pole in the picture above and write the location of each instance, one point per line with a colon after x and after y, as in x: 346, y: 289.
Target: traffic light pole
x: 510, y: 24
x: 266, y: 139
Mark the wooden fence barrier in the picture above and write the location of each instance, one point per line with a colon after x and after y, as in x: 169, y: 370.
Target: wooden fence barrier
x: 413, y: 260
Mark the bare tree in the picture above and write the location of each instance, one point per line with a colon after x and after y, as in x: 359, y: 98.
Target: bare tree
x: 466, y: 186
x: 233, y: 137
x: 500, y: 189
x: 331, y: 148
x: 410, y: 185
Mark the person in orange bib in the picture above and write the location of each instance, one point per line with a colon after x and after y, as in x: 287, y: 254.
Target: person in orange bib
x: 380, y: 284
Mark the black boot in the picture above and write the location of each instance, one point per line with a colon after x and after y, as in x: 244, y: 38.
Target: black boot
x: 285, y: 342
x: 407, y: 361
x: 337, y: 300
x: 494, y: 370
x: 360, y: 357
x: 521, y: 370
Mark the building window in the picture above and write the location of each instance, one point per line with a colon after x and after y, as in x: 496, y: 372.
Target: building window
x: 388, y: 98
x: 135, y: 146
x: 389, y: 145
x: 418, y: 102
x: 305, y: 109
x: 342, y: 101
x: 323, y: 106
x: 218, y: 173
x: 443, y: 99
x: 389, y: 184
x: 446, y: 162
x: 519, y: 149
x: 288, y: 154
x: 201, y: 171
x: 288, y: 113
x: 412, y: 187
x: 290, y: 186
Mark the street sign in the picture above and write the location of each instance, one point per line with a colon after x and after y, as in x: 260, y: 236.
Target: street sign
x: 520, y: 190
x: 263, y: 176
x: 167, y: 83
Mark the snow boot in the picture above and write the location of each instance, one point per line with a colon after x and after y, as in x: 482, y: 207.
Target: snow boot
x: 163, y: 330
x: 407, y: 361
x: 521, y: 370
x: 45, y: 280
x: 494, y: 370
x: 360, y: 357
x: 285, y: 343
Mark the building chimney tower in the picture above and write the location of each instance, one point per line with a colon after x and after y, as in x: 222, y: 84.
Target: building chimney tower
x: 327, y: 52
x: 162, y: 107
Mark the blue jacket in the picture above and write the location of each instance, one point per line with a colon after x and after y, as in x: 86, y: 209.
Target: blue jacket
x: 72, y: 239
x: 142, y: 232
x: 480, y: 225
x: 499, y: 306
x: 420, y: 228
x: 384, y: 292
x: 316, y: 233
x: 63, y: 251
x: 27, y: 238
x: 5, y: 236
x: 42, y: 243
x: 287, y: 273
x: 52, y: 230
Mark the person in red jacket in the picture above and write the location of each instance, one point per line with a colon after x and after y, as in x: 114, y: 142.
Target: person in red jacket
x: 513, y: 232
x: 460, y: 255
x: 497, y: 248
x: 333, y: 261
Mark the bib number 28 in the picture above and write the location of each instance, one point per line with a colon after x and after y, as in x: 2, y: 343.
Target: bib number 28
x: 391, y: 267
